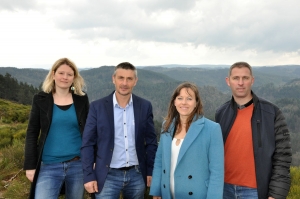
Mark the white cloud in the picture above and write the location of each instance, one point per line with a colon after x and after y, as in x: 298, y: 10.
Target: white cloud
x: 149, y: 32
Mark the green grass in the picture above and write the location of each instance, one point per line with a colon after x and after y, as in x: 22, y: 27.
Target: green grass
x: 295, y: 187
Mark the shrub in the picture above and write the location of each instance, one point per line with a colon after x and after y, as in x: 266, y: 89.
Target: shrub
x: 5, y: 137
x: 20, y: 134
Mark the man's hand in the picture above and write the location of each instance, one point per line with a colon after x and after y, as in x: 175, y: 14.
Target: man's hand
x: 149, y: 179
x: 91, y: 187
x: 271, y: 197
x: 156, y: 197
x: 30, y: 174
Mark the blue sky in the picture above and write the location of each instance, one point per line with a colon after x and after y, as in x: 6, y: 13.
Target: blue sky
x: 93, y: 33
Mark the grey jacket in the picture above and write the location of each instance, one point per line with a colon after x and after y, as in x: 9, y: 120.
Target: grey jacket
x: 271, y: 145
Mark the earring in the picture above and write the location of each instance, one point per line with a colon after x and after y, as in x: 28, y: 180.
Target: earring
x: 72, y: 88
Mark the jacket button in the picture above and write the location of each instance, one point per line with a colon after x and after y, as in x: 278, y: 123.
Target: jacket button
x: 164, y: 186
x: 190, y: 193
x: 190, y: 177
x: 164, y: 171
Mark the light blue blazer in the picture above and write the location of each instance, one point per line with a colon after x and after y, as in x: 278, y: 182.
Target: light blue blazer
x: 199, y: 173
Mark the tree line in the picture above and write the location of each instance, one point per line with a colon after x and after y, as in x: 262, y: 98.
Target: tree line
x: 13, y: 90
x: 158, y: 88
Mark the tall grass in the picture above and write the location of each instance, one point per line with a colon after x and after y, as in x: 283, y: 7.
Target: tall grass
x: 295, y: 186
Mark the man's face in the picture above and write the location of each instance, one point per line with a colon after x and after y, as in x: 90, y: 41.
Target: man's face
x: 240, y: 81
x: 124, y: 81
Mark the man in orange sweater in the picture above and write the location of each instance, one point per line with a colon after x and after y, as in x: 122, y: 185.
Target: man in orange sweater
x: 256, y: 140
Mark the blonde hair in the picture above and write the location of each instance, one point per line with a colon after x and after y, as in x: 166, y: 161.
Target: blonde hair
x: 78, y: 82
x: 173, y: 115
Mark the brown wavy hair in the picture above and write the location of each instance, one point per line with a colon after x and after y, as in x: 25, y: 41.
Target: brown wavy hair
x: 173, y: 115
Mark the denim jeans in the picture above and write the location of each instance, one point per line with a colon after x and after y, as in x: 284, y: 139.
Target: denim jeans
x: 129, y: 182
x: 239, y: 192
x: 52, y: 176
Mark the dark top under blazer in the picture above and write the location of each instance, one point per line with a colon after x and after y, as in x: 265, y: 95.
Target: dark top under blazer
x: 99, y: 134
x: 39, y: 125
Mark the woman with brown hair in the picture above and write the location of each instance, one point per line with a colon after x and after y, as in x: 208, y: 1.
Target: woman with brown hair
x: 189, y: 161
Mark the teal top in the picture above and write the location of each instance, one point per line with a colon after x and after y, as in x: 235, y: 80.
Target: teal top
x: 64, y: 139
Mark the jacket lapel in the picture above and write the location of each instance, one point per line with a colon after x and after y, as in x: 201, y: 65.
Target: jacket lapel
x: 79, y: 105
x: 191, y: 135
x: 167, y: 150
x: 110, y: 111
x: 46, y: 104
x: 167, y: 146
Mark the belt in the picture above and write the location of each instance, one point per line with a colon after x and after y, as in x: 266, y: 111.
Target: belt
x: 125, y: 168
x: 73, y: 159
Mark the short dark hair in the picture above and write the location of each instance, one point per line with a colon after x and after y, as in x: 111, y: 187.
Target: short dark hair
x: 126, y: 66
x: 240, y: 65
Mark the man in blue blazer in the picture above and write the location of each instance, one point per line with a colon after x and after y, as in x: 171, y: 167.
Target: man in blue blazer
x: 119, y: 141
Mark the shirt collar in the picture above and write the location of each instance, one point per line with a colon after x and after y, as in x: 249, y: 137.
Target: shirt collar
x: 115, y: 102
x: 245, y: 105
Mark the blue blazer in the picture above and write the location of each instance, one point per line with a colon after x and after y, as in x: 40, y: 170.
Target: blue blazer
x: 199, y: 172
x: 98, y: 138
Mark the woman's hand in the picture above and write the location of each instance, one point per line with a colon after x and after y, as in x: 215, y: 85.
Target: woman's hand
x: 30, y: 174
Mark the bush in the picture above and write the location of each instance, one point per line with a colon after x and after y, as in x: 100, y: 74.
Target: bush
x: 13, y: 156
x: 5, y: 142
x: 5, y: 137
x: 20, y: 134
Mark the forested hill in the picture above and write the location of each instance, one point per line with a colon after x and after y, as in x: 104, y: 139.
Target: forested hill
x: 157, y: 84
x: 155, y: 87
x: 283, y: 90
x: 278, y: 75
x: 32, y: 77
x: 214, y: 76
x: 13, y: 90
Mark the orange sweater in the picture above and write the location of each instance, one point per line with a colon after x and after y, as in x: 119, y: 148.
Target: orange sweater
x: 239, y: 157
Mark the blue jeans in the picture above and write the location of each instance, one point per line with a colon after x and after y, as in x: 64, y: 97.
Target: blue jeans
x: 130, y: 183
x: 52, y: 176
x: 239, y: 192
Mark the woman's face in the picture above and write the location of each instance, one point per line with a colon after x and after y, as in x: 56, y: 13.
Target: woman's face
x: 63, y: 77
x: 185, y: 102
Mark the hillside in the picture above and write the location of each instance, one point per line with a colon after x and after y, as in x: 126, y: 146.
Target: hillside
x: 33, y: 77
x: 155, y: 87
x: 157, y: 84
x: 215, y: 77
x: 202, y: 75
x: 13, y: 90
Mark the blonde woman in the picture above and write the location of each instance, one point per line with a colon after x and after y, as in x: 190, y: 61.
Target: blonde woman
x: 53, y: 139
